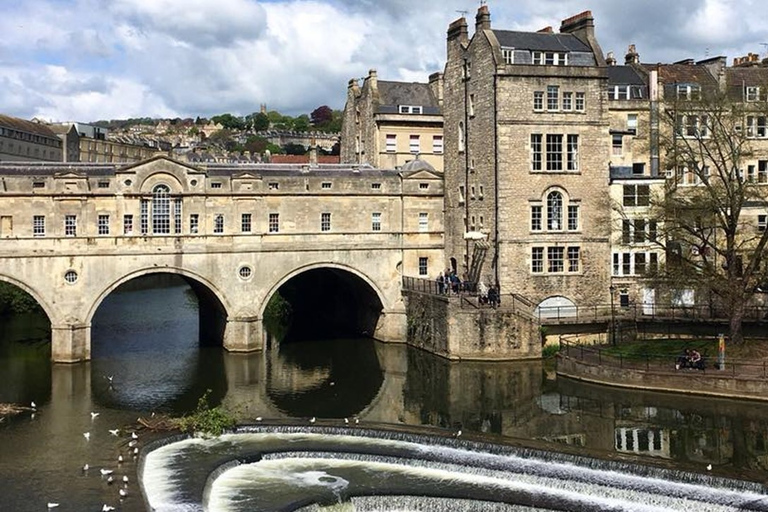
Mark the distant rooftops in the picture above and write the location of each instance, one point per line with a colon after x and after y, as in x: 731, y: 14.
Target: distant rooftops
x: 23, y: 125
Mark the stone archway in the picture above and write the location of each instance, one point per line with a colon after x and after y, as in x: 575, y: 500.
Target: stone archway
x: 557, y: 306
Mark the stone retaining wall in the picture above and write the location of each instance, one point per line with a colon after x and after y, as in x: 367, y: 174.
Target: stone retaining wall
x: 690, y: 382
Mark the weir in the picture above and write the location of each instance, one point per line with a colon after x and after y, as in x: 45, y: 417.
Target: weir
x: 290, y: 467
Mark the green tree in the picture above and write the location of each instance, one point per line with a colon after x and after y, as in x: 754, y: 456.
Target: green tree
x: 294, y: 149
x: 256, y: 144
x: 259, y: 121
x: 229, y: 122
x: 301, y: 123
x: 710, y: 211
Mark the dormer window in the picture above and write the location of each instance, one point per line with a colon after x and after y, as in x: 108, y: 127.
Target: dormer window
x: 550, y: 58
x: 688, y: 91
x: 410, y: 109
x: 508, y: 54
x: 752, y: 93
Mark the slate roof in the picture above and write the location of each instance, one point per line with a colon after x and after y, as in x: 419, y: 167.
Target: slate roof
x: 736, y: 79
x: 23, y: 125
x: 543, y: 41
x: 392, y: 94
x: 624, y: 75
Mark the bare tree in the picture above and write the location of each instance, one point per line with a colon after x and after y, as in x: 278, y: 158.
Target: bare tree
x: 713, y: 213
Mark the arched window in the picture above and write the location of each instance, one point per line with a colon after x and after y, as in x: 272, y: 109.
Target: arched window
x: 161, y: 210
x: 554, y: 211
x: 461, y: 136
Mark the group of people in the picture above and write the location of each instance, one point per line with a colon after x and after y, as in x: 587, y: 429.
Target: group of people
x: 690, y: 358
x: 488, y: 295
x: 448, y: 283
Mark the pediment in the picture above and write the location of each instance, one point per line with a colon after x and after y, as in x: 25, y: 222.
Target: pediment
x: 423, y: 174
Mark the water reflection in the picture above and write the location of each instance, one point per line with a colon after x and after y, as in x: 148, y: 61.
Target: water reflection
x: 147, y: 341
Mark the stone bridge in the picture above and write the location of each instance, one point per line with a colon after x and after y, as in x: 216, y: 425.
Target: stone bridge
x: 71, y: 234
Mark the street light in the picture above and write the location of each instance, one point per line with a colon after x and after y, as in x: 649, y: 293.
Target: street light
x: 612, y: 326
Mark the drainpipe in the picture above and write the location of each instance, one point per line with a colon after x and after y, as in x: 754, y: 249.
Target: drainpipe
x: 496, y: 183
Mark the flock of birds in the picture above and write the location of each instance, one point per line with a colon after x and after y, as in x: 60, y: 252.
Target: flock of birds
x: 107, y: 474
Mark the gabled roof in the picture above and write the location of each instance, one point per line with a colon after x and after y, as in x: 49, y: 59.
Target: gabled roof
x: 542, y: 41
x: 624, y: 75
x: 685, y: 74
x: 406, y: 93
x: 23, y: 125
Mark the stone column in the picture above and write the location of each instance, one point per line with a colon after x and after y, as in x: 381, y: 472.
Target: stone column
x: 70, y: 343
x: 391, y: 327
x: 244, y: 335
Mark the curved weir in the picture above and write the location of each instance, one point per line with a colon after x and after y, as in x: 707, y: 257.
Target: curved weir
x: 292, y: 468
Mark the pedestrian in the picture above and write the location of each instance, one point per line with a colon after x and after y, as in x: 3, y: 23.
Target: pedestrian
x: 440, y: 283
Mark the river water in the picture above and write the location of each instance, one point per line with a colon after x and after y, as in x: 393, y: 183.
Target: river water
x: 145, y: 340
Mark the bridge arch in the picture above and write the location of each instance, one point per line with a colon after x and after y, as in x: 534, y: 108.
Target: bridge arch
x: 46, y: 307
x: 353, y: 291
x: 189, y: 275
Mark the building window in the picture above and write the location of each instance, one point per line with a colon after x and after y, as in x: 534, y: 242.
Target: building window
x: 574, y: 258
x: 550, y: 58
x: 635, y: 263
x: 391, y: 143
x: 144, y: 216
x: 572, y: 156
x: 437, y: 144
x: 508, y: 54
x: 462, y: 142
x: 536, y: 218
x: 415, y: 146
x: 38, y: 184
x: 538, y: 100
x: 756, y: 127
x: 553, y: 97
x: 617, y: 144
x: 70, y: 225
x: 752, y: 93
x: 194, y: 223
x: 376, y: 221
x: 274, y: 222
x: 536, y: 156
x: 70, y: 276
x: 245, y: 272
x: 423, y: 186
x: 216, y: 184
x: 580, y: 102
x: 573, y: 217
x: 161, y: 210
x: 103, y: 184
x: 555, y: 261
x: 410, y: 109
x: 177, y: 215
x: 273, y: 185
x: 632, y: 123
x: 537, y: 260
x: 127, y: 224
x: 554, y: 152
x: 103, y: 224
x: 461, y: 194
x: 326, y: 185
x: 38, y: 225
x: 218, y: 224
x: 691, y: 126
x: 567, y: 101
x: 375, y: 186
x: 762, y: 222
x: 423, y: 266
x: 471, y: 107
x: 636, y: 195
x: 245, y: 223
x: 688, y: 91
x: 554, y: 211
x: 325, y: 221
x: 423, y: 222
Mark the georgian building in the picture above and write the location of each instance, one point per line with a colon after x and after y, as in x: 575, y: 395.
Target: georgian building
x: 527, y: 158
x: 27, y: 141
x: 387, y: 124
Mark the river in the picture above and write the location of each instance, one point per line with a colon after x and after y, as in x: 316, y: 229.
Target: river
x: 146, y: 358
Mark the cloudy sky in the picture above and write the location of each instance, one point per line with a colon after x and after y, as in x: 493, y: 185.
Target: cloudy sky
x: 85, y: 60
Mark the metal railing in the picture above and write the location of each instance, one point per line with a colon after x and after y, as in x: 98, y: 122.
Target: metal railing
x: 657, y: 363
x: 604, y: 312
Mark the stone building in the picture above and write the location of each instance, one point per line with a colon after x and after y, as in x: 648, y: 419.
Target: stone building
x: 387, y: 124
x: 22, y: 140
x: 527, y: 158
x: 90, y: 143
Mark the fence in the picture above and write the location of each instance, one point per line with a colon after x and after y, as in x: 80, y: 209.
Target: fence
x: 607, y: 312
x: 657, y: 363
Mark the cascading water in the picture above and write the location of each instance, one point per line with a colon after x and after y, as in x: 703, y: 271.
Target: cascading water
x: 328, y: 468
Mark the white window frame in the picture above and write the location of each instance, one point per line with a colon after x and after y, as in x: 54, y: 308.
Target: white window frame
x: 102, y: 224
x: 376, y: 221
x: 687, y: 91
x: 423, y: 222
x: 752, y: 93
x: 273, y: 223
x: 325, y: 221
x: 128, y: 224
x: 414, y: 144
x: 391, y: 143
x: 437, y: 144
x: 246, y: 222
x: 38, y: 225
x: 423, y: 266
x: 218, y: 223
x: 632, y: 123
x: 70, y: 225
x: 508, y: 54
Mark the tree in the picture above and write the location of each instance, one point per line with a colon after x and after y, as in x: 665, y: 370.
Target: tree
x: 294, y: 149
x: 711, y: 210
x: 259, y: 121
x: 256, y: 144
x: 301, y: 123
x: 321, y: 115
x: 229, y: 122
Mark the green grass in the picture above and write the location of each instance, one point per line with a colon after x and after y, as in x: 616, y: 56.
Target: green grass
x: 661, y: 348
x: 550, y: 350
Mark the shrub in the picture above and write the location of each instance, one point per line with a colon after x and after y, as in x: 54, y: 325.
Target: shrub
x: 206, y: 420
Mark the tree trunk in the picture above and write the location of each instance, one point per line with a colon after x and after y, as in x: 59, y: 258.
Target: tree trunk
x: 735, y: 323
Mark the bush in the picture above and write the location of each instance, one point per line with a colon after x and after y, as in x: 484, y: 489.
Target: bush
x: 206, y: 420
x: 549, y: 351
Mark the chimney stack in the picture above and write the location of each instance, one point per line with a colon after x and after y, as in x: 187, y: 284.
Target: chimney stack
x: 483, y: 19
x: 610, y: 60
x: 546, y: 30
x: 582, y: 26
x: 632, y: 57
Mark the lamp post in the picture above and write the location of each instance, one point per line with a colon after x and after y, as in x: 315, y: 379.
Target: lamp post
x: 613, y: 320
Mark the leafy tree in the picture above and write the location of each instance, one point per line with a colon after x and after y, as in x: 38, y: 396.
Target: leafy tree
x: 294, y: 149
x: 321, y: 115
x: 229, y: 122
x: 256, y: 144
x: 224, y: 140
x: 709, y: 212
x: 301, y: 123
x: 260, y: 122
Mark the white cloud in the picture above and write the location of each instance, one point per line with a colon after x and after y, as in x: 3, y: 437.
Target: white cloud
x: 90, y: 59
